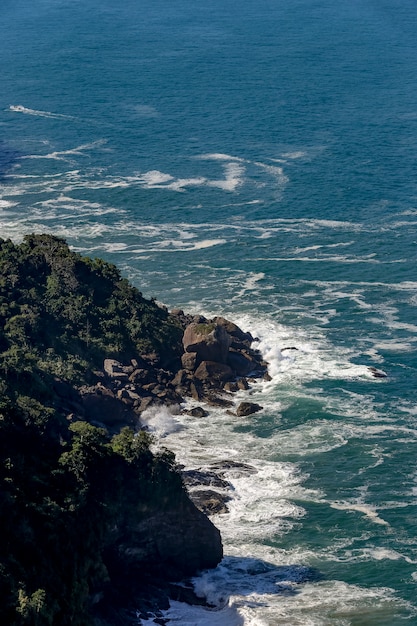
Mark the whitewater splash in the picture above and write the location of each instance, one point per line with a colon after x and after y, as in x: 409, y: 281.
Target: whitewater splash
x: 260, y: 582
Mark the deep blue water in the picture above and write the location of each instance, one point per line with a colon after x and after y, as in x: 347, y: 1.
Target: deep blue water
x: 257, y: 160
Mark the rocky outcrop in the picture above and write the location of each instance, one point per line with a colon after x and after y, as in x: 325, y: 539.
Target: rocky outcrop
x: 217, y: 361
x: 210, y: 489
x: 153, y: 541
x: 208, y: 341
x: 170, y: 544
x: 214, y: 372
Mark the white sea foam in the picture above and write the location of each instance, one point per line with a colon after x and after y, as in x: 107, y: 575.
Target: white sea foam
x: 310, y: 356
x: 368, y: 258
x: 7, y: 204
x: 261, y: 601
x: 62, y: 155
x: 233, y: 178
x: 145, y: 110
x: 365, y: 509
x: 321, y: 246
x: 275, y: 171
x: 218, y: 156
x: 294, y: 155
x: 251, y: 283
x: 18, y: 108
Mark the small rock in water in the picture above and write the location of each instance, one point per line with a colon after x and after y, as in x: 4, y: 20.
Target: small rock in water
x: 377, y: 373
x: 247, y: 408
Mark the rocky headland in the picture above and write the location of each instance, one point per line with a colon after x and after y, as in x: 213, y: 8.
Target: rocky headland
x: 97, y: 528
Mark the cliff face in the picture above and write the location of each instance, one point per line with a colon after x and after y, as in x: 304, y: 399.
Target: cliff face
x: 170, y: 543
x: 90, y: 517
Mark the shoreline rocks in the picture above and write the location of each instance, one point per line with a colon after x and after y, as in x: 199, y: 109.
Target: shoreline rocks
x: 217, y: 361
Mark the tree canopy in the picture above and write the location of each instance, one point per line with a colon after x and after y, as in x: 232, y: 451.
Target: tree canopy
x: 63, y: 486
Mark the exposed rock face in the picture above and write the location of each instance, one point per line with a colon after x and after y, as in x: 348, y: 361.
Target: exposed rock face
x: 234, y: 331
x: 210, y: 502
x: 171, y: 543
x: 216, y: 361
x: 214, y: 372
x: 208, y: 340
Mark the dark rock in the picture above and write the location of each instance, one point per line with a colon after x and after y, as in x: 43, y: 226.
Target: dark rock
x: 243, y: 384
x: 101, y: 405
x: 179, y: 378
x: 142, y: 376
x: 377, y: 373
x: 214, y: 372
x: 210, y: 502
x: 234, y: 331
x: 196, y: 391
x: 186, y: 593
x: 242, y: 363
x: 235, y: 466
x: 147, y: 402
x: 123, y: 394
x: 169, y: 396
x: 67, y: 399
x: 197, y: 411
x: 171, y: 543
x: 199, y: 319
x: 231, y: 387
x: 247, y: 408
x: 196, y: 478
x: 214, y: 400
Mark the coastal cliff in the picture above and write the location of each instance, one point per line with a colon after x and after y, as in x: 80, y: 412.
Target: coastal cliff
x: 94, y: 519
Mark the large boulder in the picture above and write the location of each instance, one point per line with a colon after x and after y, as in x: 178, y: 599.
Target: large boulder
x: 102, y: 407
x: 242, y: 362
x: 234, y: 331
x: 210, y: 342
x: 116, y: 370
x: 247, y: 408
x: 213, y: 372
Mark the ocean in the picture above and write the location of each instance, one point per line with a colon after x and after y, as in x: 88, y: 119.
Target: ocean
x: 256, y: 160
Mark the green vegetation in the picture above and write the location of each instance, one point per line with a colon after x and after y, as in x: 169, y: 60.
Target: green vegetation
x: 65, y: 487
x: 205, y: 329
x: 64, y: 313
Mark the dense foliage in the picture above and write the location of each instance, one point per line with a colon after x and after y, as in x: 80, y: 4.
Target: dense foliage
x: 63, y: 486
x: 63, y: 313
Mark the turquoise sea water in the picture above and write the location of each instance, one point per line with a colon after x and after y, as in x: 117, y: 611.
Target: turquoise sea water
x: 256, y: 160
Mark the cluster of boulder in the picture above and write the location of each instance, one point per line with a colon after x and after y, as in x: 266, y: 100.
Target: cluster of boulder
x: 217, y: 360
